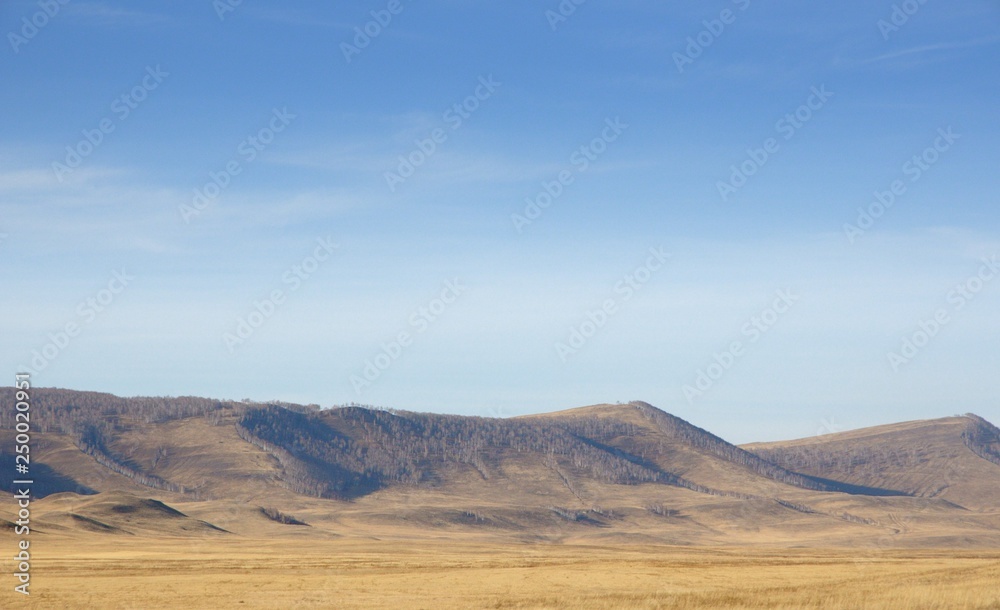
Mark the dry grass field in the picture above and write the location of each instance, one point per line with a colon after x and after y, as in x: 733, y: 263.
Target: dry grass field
x: 444, y: 574
x: 603, y: 507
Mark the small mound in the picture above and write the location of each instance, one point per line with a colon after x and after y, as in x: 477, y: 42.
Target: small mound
x: 122, y: 513
x: 93, y: 525
x: 121, y: 504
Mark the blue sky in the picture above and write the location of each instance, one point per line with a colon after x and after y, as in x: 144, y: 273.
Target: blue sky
x: 536, y: 96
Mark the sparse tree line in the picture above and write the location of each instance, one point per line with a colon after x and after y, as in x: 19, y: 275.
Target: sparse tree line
x: 677, y: 428
x: 93, y: 419
x: 356, y: 449
x: 299, y: 475
x: 385, y: 446
x: 865, y: 461
x: 982, y: 438
x: 56, y: 410
x: 856, y: 519
x: 374, y: 448
x: 92, y: 442
x: 660, y: 510
x: 870, y: 462
x: 279, y: 517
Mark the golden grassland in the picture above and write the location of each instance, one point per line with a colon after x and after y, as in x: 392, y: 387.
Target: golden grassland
x: 444, y: 574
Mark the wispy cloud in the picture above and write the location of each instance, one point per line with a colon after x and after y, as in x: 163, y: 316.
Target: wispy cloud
x: 32, y: 180
x: 930, y: 48
x: 445, y: 165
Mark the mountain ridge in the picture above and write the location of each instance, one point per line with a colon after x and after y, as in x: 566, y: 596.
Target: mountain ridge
x: 631, y: 469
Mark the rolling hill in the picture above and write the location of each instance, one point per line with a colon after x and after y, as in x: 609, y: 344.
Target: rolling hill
x: 188, y: 466
x: 955, y: 459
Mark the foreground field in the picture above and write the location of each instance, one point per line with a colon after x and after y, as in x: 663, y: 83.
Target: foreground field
x: 148, y: 574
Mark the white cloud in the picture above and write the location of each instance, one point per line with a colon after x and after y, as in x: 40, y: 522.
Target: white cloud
x: 930, y: 48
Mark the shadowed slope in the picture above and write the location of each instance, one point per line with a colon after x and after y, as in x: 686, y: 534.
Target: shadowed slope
x: 115, y: 513
x: 954, y: 458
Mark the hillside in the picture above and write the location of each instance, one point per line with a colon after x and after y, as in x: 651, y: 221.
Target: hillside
x: 956, y: 459
x: 627, y: 472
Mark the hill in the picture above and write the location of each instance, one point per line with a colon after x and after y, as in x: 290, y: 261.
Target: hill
x: 955, y: 459
x: 626, y: 472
